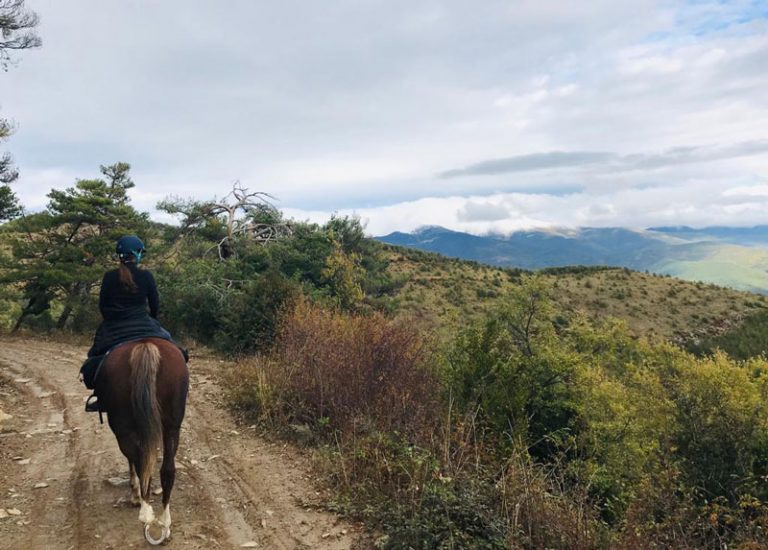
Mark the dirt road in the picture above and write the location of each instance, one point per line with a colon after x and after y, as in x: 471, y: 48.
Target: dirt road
x: 63, y: 481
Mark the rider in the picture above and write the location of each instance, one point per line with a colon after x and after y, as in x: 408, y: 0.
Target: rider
x: 128, y: 302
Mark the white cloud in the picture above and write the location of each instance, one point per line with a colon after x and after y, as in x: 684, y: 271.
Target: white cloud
x: 641, y: 64
x: 747, y: 191
x: 694, y: 203
x: 482, y: 211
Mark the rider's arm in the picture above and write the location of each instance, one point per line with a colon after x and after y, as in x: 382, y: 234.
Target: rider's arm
x: 104, y: 293
x: 154, y: 299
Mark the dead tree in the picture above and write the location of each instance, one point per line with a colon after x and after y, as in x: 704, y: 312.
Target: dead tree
x: 236, y: 208
x: 246, y: 215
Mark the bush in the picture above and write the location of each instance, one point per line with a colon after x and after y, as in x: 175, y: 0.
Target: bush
x: 224, y: 306
x: 353, y: 373
x: 362, y: 388
x: 508, y: 369
x: 248, y: 319
x: 449, y: 515
x: 721, y: 425
x: 749, y: 339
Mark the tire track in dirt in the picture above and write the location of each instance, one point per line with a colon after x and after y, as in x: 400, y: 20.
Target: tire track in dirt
x: 45, y: 428
x: 230, y: 488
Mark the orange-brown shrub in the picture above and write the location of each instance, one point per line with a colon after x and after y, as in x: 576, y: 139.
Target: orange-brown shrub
x: 354, y: 373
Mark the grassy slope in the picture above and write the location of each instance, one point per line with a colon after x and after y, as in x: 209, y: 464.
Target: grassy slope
x: 728, y: 265
x: 444, y: 293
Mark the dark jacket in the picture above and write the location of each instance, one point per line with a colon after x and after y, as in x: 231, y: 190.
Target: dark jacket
x: 118, y: 302
x: 127, y: 315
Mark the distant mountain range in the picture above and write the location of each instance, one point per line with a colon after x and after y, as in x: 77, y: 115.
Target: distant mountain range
x: 728, y: 256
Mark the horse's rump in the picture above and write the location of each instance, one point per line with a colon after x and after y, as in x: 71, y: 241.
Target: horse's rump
x: 115, y: 382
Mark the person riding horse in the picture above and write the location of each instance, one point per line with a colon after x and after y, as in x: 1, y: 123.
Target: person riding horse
x: 129, y: 304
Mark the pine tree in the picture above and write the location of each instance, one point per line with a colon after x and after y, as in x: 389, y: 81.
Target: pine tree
x: 62, y: 253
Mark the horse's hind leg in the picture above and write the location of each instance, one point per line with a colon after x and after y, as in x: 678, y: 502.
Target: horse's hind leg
x: 135, y: 485
x: 129, y: 446
x: 168, y: 472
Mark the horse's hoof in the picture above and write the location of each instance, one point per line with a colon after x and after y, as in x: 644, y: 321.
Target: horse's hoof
x: 165, y: 534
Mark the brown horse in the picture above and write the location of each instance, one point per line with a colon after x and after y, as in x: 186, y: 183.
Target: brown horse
x: 143, y: 388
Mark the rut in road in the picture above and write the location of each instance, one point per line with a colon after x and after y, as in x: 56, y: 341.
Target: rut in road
x: 64, y: 480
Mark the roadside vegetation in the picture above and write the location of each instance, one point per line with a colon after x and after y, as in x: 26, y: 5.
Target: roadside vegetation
x: 449, y: 404
x: 528, y: 431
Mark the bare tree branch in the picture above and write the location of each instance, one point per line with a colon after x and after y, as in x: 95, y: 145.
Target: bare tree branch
x: 16, y: 24
x: 243, y: 213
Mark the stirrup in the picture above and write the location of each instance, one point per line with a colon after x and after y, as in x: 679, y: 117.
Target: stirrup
x: 92, y: 404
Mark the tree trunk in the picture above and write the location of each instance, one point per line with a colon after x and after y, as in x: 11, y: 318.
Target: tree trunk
x: 78, y: 292
x: 38, y: 302
x: 62, y: 321
x: 17, y: 326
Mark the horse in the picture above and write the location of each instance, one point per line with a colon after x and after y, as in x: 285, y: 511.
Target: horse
x: 143, y: 387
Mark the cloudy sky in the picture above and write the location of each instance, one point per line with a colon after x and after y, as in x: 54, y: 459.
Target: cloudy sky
x: 476, y: 115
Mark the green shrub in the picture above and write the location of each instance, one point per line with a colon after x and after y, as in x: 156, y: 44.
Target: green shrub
x: 510, y: 370
x: 749, y: 339
x: 219, y: 305
x: 448, y: 516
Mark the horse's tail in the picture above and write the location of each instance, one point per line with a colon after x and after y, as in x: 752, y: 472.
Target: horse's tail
x: 145, y: 358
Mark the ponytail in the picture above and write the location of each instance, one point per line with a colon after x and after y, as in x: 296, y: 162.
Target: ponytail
x: 126, y: 278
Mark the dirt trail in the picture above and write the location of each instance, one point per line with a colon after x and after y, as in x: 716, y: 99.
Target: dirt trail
x: 232, y: 488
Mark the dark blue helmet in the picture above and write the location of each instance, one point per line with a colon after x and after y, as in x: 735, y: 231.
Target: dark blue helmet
x: 130, y: 245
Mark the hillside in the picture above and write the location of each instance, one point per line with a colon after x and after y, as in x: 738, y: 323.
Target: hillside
x: 734, y: 257
x: 445, y: 292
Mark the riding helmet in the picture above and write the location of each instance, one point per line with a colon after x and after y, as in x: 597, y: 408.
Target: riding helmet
x: 130, y: 245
